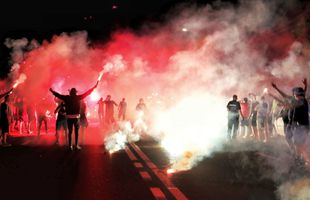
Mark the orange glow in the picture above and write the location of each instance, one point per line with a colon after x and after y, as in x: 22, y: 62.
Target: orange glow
x: 171, y: 171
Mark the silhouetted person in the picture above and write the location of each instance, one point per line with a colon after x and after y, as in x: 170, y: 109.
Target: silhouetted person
x: 83, y: 120
x: 245, y: 118
x: 41, y: 109
x: 4, y: 118
x: 109, y: 110
x: 100, y: 110
x: 122, y: 110
x: 61, y: 121
x: 141, y: 105
x: 300, y: 124
x: 233, y: 108
x: 19, y: 104
x: 262, y: 119
x: 31, y: 117
x: 140, y: 118
x: 253, y: 116
x: 287, y: 111
x: 73, y: 105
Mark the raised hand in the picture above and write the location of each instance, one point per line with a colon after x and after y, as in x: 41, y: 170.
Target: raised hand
x: 304, y: 81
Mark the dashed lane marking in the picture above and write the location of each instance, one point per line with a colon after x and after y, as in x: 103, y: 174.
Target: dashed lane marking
x: 130, y: 154
x: 161, y: 176
x: 146, y: 176
x: 158, y: 194
x: 138, y: 165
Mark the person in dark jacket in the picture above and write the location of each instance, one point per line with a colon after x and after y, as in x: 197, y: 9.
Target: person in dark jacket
x: 73, y: 105
x: 4, y: 120
x: 233, y: 108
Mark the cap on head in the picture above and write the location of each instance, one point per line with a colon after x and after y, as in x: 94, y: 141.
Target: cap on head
x: 73, y: 91
x: 298, y: 91
x: 235, y: 97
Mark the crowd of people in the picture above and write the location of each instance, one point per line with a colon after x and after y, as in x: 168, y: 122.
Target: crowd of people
x: 22, y: 117
x: 252, y: 118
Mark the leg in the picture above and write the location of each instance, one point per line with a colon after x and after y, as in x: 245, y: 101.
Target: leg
x: 57, y: 131
x: 45, y: 124
x: 70, y: 127
x: 230, y: 124
x: 236, y: 126
x: 76, y: 131
x: 39, y: 125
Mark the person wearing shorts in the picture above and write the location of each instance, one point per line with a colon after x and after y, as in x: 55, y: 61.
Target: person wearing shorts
x: 61, y: 121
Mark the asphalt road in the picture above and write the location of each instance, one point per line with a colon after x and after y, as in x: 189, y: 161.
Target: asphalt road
x: 36, y: 168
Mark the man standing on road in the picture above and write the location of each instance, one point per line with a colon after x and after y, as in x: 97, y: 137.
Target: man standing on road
x: 109, y: 110
x: 101, y: 110
x: 122, y: 110
x: 73, y: 105
x: 233, y: 108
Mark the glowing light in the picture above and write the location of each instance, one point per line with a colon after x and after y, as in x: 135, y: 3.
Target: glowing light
x: 94, y: 96
x: 48, y: 114
x: 184, y: 29
x: 114, y: 7
x: 100, y: 75
x: 21, y: 79
x: 265, y: 91
x: 171, y: 171
x: 192, y: 128
x: 15, y: 84
x: 119, y: 139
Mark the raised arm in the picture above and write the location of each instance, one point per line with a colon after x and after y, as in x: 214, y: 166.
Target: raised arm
x: 4, y: 94
x: 88, y: 92
x: 305, y: 82
x: 56, y: 94
x: 280, y: 91
x: 57, y: 109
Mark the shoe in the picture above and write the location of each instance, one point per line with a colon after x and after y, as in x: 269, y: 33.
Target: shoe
x: 77, y: 147
x: 71, y: 148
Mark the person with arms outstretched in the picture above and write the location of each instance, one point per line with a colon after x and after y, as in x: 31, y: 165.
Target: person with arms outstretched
x: 73, y: 105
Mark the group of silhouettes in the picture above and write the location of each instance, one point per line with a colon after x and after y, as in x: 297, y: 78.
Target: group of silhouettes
x: 259, y: 118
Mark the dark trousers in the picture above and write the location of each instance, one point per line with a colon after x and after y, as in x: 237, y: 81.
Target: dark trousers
x: 76, y: 123
x: 233, y: 125
x: 42, y: 119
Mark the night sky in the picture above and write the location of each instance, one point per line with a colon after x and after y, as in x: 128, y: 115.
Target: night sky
x: 42, y: 19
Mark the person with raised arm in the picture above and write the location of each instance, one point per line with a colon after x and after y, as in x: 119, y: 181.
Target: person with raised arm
x: 73, y: 105
x: 288, y: 111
